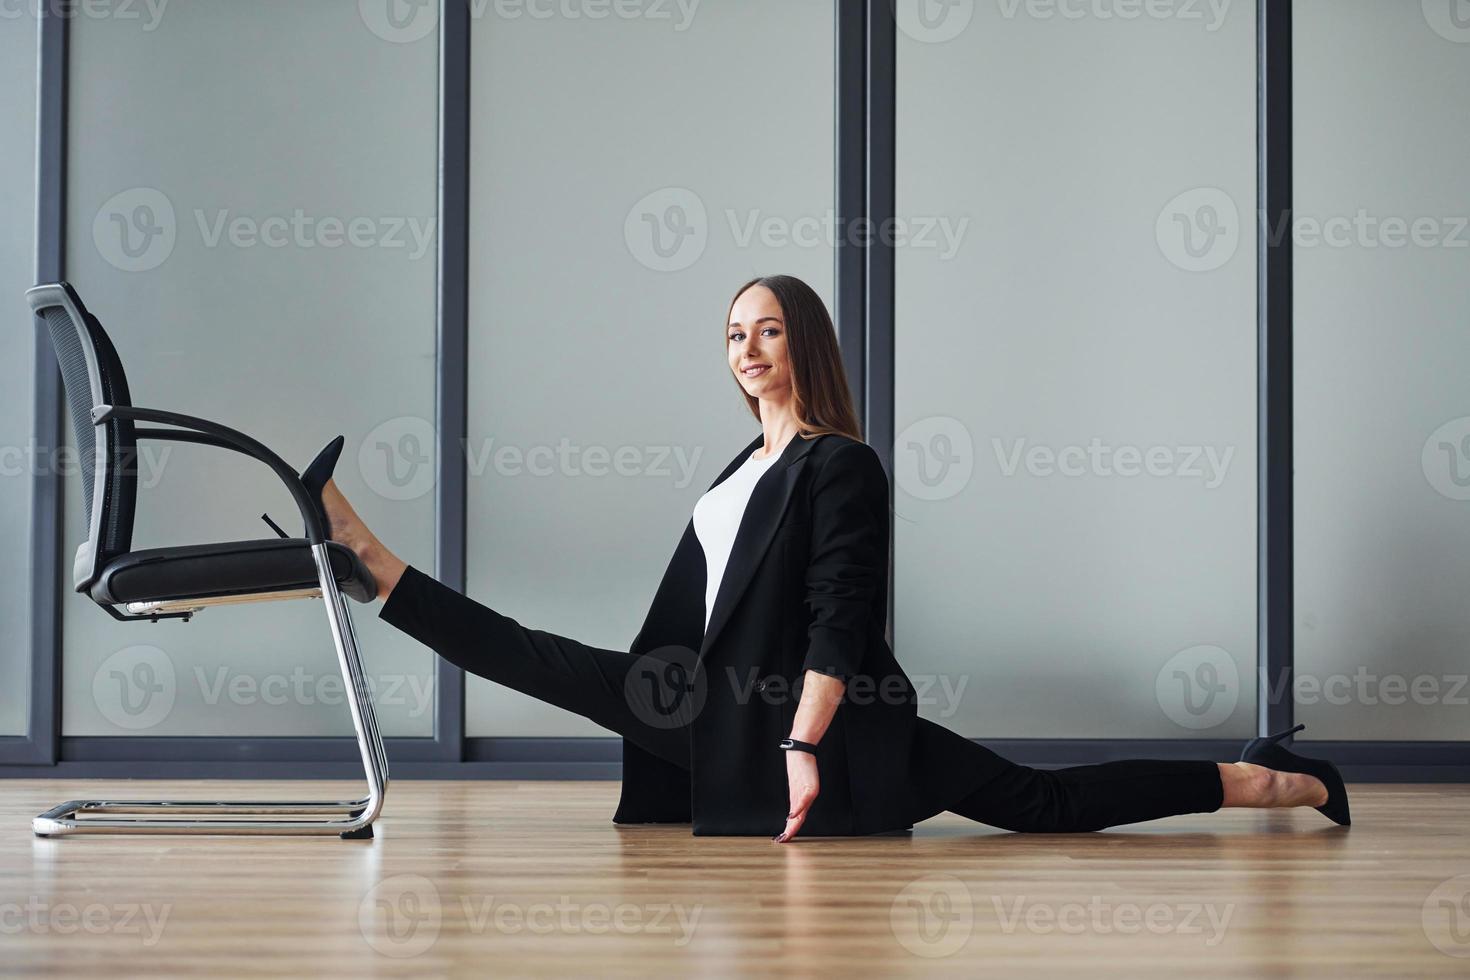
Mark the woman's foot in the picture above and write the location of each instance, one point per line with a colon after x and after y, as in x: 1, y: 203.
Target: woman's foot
x: 1250, y: 785
x: 346, y: 528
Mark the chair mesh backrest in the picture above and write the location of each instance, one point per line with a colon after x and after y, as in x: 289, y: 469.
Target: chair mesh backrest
x: 107, y: 466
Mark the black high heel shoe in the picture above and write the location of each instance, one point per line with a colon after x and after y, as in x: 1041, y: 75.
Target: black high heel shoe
x: 314, y: 478
x: 316, y: 475
x: 1267, y: 751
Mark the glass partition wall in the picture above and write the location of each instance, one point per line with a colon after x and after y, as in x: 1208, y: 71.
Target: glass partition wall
x: 1075, y: 364
x: 251, y: 215
x: 1382, y: 408
x: 456, y: 227
x: 18, y: 457
x: 627, y: 175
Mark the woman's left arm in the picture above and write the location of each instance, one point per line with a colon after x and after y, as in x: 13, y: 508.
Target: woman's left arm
x: 846, y: 565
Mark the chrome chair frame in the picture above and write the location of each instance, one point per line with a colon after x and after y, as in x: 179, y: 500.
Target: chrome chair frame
x: 350, y: 819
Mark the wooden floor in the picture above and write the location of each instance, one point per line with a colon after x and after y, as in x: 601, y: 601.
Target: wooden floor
x: 502, y: 878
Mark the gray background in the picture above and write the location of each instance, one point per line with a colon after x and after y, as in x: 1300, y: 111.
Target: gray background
x: 1057, y: 600
x: 17, y: 273
x: 1382, y: 341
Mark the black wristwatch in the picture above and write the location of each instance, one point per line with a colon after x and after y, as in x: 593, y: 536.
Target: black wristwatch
x: 790, y: 744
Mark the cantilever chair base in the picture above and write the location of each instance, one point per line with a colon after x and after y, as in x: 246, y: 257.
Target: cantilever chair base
x: 67, y: 818
x: 348, y: 819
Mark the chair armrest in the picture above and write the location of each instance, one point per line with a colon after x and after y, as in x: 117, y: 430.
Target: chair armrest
x: 208, y: 433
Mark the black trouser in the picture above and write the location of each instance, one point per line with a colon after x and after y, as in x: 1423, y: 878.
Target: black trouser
x: 590, y: 681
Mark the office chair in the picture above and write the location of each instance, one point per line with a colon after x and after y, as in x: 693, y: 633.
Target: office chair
x: 177, y: 582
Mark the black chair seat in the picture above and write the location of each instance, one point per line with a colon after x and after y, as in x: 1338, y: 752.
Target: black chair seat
x: 229, y: 568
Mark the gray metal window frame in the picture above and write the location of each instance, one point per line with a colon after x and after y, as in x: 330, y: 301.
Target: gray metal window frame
x: 864, y: 141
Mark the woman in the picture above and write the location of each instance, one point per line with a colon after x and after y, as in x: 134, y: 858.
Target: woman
x: 760, y: 695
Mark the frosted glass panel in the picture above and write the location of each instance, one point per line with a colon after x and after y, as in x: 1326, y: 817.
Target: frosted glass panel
x: 1075, y: 369
x: 17, y: 270
x: 628, y: 174
x: 252, y: 204
x: 1382, y: 352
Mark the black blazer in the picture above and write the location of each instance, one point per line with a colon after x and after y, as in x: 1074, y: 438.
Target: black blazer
x: 805, y: 587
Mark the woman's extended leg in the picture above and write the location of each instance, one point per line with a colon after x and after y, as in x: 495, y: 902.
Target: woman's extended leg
x: 1087, y: 798
x: 590, y: 681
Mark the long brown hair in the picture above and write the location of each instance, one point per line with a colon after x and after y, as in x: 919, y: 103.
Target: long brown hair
x: 819, y: 391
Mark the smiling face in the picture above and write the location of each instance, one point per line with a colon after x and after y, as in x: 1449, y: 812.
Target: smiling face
x: 755, y: 338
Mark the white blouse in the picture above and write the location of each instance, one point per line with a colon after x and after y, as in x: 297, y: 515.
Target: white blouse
x: 717, y: 517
